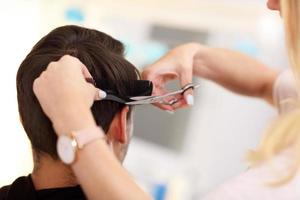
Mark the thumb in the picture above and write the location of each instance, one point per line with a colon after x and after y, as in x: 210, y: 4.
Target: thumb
x: 186, y: 77
x: 99, y: 94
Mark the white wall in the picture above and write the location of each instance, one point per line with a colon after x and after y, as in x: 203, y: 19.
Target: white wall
x: 18, y: 21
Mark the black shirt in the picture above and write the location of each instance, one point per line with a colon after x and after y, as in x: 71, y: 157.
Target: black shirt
x: 23, y: 189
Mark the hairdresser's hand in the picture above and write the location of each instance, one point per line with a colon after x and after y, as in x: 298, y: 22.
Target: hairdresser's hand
x: 65, y: 96
x: 234, y: 71
x: 176, y: 64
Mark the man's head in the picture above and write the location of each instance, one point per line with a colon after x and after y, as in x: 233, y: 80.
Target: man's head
x: 103, y: 56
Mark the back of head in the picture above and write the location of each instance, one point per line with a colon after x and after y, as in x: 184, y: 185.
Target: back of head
x: 100, y: 53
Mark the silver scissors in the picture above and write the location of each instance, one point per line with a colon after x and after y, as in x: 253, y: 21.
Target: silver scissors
x: 140, y: 100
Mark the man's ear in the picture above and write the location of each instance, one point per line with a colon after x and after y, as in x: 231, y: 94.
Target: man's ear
x: 118, y: 128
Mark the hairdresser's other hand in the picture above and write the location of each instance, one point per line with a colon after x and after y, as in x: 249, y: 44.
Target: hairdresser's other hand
x: 233, y: 70
x: 64, y: 94
x: 176, y: 64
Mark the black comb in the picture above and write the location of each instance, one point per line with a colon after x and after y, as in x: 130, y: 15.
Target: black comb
x: 133, y: 88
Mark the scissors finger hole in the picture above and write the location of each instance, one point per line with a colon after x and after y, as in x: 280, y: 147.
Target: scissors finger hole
x: 171, y: 102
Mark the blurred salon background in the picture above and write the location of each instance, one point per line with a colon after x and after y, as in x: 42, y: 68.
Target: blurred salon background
x: 173, y: 157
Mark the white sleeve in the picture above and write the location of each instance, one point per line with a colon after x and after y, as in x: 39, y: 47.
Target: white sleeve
x: 285, y: 93
x: 250, y: 185
x: 253, y: 184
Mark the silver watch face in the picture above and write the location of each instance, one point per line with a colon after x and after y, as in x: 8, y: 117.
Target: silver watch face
x: 66, y: 149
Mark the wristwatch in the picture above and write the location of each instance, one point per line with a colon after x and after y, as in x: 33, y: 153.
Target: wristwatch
x: 69, y: 144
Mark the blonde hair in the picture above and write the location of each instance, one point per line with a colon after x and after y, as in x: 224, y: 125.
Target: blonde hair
x: 284, y: 133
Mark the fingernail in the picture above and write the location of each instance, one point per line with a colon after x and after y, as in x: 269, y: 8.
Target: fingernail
x: 170, y: 112
x: 102, y: 94
x: 190, y: 99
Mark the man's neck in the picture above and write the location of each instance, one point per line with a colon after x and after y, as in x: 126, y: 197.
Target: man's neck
x: 49, y: 173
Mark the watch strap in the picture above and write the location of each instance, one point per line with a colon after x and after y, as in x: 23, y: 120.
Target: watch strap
x: 85, y: 136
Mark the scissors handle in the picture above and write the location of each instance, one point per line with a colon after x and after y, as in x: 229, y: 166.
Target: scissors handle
x: 189, y: 86
x: 181, y: 91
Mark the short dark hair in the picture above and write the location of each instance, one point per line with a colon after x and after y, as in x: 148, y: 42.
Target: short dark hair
x: 99, y: 52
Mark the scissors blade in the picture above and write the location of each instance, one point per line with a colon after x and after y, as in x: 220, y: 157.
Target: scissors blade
x: 157, y: 99
x: 139, y: 98
x: 138, y: 102
x: 151, y: 99
x: 196, y: 85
